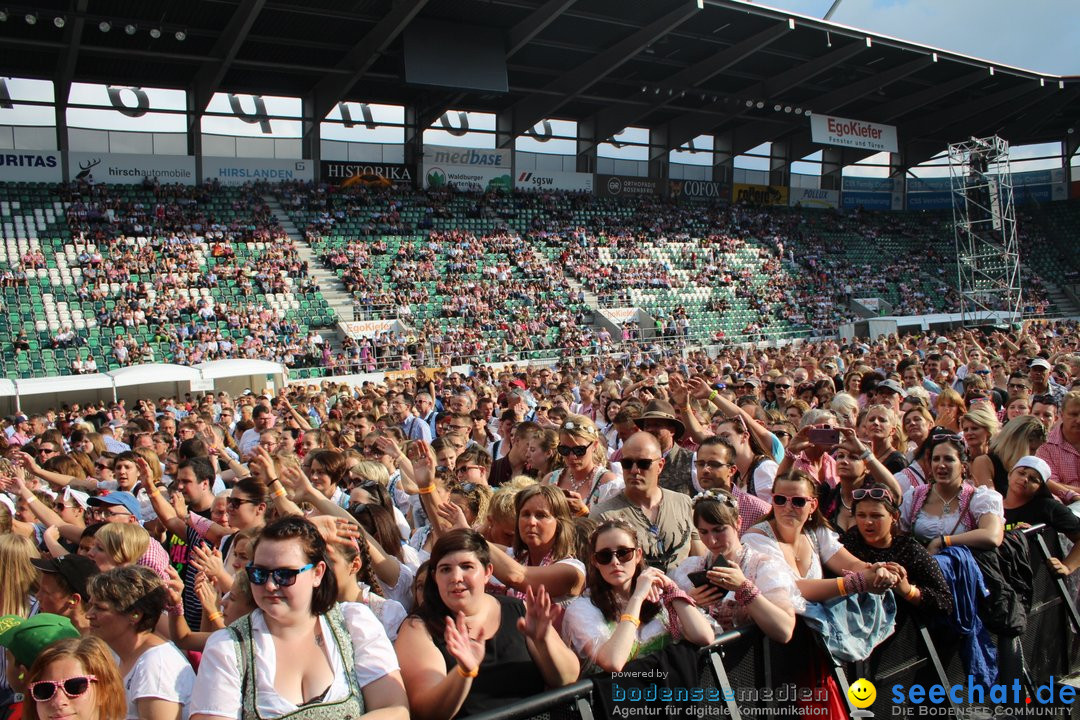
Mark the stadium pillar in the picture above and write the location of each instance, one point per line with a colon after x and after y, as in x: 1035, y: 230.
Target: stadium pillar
x: 1070, y: 144
x: 194, y: 130
x: 832, y: 168
x: 311, y: 140
x: 414, y: 143
x: 62, y: 133
x: 898, y: 173
x: 659, y: 156
x: 586, y: 146
x: 779, y: 163
x: 723, y: 170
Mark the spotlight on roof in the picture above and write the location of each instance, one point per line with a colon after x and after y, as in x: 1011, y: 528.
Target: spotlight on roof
x: 3, y: 15
x: 155, y: 33
x: 31, y: 18
x: 104, y: 26
x: 130, y: 29
x: 749, y: 103
x: 760, y: 104
x: 59, y: 21
x: 181, y: 36
x: 776, y: 108
x: 787, y: 108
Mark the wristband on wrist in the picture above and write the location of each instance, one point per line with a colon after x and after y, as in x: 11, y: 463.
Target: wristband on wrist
x: 32, y: 499
x: 713, y: 395
x: 912, y: 593
x: 630, y: 619
x: 174, y: 610
x: 866, y: 454
x: 280, y: 492
x: 746, y: 593
x: 947, y: 539
x: 467, y: 673
x: 841, y: 587
x: 214, y: 616
x: 426, y: 490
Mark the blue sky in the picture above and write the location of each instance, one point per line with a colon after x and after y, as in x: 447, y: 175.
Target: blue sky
x: 1040, y: 35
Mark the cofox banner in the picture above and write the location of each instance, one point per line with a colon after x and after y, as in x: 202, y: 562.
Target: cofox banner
x: 237, y: 171
x: 124, y: 169
x: 814, y: 198
x: 341, y: 172
x: 537, y: 180
x: 830, y: 130
x: 30, y: 166
x: 698, y: 190
x: 759, y: 194
x: 626, y: 186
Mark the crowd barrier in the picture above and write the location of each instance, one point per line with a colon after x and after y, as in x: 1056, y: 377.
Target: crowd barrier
x: 745, y: 674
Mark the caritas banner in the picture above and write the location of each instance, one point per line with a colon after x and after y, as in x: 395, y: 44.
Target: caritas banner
x: 830, y: 130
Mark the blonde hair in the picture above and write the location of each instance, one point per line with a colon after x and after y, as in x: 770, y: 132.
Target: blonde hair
x: 1019, y: 437
x: 984, y: 417
x: 124, y: 543
x: 371, y: 470
x: 898, y: 439
x: 501, y: 508
x: 585, y: 429
x: 19, y: 579
x: 152, y: 460
x: 844, y: 405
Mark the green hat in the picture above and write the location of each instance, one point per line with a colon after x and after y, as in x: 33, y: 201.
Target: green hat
x: 26, y: 638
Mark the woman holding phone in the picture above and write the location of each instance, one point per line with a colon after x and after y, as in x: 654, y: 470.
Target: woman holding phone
x: 736, y: 584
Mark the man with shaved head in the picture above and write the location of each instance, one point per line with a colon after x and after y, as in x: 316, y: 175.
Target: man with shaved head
x: 663, y: 519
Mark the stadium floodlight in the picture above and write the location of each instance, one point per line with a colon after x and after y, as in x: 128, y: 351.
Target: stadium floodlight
x: 130, y: 29
x: 3, y: 15
x: 760, y: 104
x: 104, y: 26
x: 155, y: 33
x: 776, y: 108
x: 787, y: 108
x: 749, y: 103
x: 181, y: 36
x: 59, y: 21
x: 31, y: 18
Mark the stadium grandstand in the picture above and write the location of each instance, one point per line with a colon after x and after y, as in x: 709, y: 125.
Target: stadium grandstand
x: 361, y: 282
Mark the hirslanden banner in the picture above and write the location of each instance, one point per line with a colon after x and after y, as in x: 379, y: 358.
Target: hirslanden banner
x: 830, y: 130
x: 237, y: 171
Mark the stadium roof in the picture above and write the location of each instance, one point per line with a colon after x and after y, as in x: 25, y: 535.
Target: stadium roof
x: 681, y: 67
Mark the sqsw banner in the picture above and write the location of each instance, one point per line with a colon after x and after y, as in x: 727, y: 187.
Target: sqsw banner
x: 473, y: 169
x: 540, y: 180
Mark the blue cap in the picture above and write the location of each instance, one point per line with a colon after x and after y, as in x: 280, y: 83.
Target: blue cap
x: 119, y: 497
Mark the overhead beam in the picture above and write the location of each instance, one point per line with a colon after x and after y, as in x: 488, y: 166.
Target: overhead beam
x: 69, y: 58
x: 944, y: 119
x: 331, y: 89
x: 212, y: 71
x: 687, y: 127
x: 531, y: 110
x: 893, y: 109
x: 613, y: 119
x: 519, y: 36
x: 1033, y: 118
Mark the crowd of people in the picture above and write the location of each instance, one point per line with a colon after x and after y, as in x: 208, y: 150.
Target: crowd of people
x: 441, y: 545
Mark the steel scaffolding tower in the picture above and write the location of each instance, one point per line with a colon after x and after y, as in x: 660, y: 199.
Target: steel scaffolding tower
x: 984, y: 222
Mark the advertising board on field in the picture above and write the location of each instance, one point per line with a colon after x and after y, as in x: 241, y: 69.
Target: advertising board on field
x: 237, y: 171
x: 536, y: 180
x: 626, y: 186
x: 759, y: 194
x: 31, y: 166
x: 814, y: 198
x: 831, y: 130
x: 131, y: 169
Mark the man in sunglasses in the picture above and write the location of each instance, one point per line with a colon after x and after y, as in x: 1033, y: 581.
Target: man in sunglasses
x: 663, y: 518
x: 660, y: 421
x: 783, y: 391
x: 1041, y: 382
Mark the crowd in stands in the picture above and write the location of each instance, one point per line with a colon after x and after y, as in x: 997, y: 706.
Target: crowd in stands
x: 441, y: 545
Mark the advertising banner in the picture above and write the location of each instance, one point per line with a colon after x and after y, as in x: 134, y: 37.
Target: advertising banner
x: 474, y: 169
x: 867, y: 200
x: 1023, y: 194
x: 1039, y: 177
x: 930, y: 201
x: 814, y: 198
x: 626, y: 186
x: 868, y: 184
x: 345, y: 173
x: 620, y: 315
x: 237, y: 171
x: 537, y: 180
x: 930, y: 184
x: 124, y: 169
x: 368, y: 328
x: 698, y: 190
x: 30, y: 166
x: 759, y: 194
x: 830, y: 130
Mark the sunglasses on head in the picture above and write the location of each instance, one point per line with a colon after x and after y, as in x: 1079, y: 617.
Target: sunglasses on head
x: 639, y: 463
x: 871, y: 493
x: 576, y: 451
x: 282, y: 577
x: 605, y: 556
x: 44, y: 690
x: 798, y: 501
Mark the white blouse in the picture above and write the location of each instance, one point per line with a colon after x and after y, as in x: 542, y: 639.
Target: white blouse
x: 824, y: 543
x: 219, y: 685
x: 759, y: 568
x: 984, y: 500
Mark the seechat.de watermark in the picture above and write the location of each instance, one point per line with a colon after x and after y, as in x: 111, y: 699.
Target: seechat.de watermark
x: 968, y: 700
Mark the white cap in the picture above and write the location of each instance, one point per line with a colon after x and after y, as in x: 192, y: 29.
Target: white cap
x: 1035, y: 463
x: 1039, y: 362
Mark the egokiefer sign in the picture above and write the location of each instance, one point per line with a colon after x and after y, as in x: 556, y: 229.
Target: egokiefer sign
x: 31, y: 166
x: 537, y: 181
x: 830, y: 130
x: 124, y: 169
x: 477, y: 169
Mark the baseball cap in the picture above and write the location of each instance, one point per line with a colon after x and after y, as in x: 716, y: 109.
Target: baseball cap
x: 1039, y: 363
x: 75, y: 569
x: 26, y: 638
x: 890, y: 384
x: 752, y: 381
x: 120, y: 497
x: 1035, y: 463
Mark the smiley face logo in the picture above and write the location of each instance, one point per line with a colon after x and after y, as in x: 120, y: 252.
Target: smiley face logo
x: 862, y: 693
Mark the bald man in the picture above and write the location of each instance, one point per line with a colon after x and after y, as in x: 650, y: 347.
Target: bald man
x: 664, y: 519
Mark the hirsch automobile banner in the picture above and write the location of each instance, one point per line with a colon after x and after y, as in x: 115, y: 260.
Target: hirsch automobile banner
x: 544, y: 180
x: 125, y: 169
x: 31, y: 166
x: 237, y: 171
x: 813, y: 198
x: 831, y: 130
x: 759, y: 194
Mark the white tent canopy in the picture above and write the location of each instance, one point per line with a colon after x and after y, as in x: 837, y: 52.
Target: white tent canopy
x: 153, y: 373
x: 63, y: 383
x: 238, y: 368
x: 7, y: 388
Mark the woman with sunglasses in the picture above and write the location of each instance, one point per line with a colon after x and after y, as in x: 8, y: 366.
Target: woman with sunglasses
x: 733, y: 583
x: 75, y: 679
x: 949, y: 510
x: 856, y: 465
x: 126, y: 605
x: 798, y: 535
x: 585, y: 476
x: 631, y: 609
x: 464, y: 651
x: 876, y: 538
x: 299, y: 654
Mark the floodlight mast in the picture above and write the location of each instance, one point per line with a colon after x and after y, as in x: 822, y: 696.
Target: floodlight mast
x: 984, y: 225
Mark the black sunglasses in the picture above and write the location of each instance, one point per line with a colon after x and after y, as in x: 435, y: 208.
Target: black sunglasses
x: 796, y: 500
x: 640, y: 463
x: 605, y: 556
x: 282, y: 577
x: 779, y: 386
x: 44, y: 690
x: 235, y: 503
x: 575, y: 450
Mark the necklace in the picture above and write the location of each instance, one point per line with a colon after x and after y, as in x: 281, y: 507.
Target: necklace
x: 946, y: 505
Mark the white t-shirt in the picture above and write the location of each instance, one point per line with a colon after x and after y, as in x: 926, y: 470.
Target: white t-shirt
x: 764, y: 475
x: 219, y: 686
x: 162, y: 673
